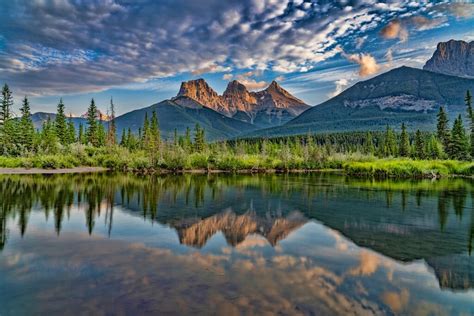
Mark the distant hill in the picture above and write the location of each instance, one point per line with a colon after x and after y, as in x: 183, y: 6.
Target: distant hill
x: 401, y: 95
x: 40, y: 117
x: 172, y: 115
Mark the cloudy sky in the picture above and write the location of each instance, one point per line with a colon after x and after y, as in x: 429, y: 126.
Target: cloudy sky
x: 139, y: 51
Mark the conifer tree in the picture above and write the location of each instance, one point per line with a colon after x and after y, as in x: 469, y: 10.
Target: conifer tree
x: 404, y: 149
x: 92, y: 125
x: 390, y: 143
x: 112, y: 129
x: 26, y: 129
x: 369, y: 147
x: 459, y: 145
x: 198, y: 138
x: 187, y: 139
x: 442, y: 129
x: 81, y: 136
x: 71, y: 131
x: 470, y: 115
x: 61, y: 124
x: 419, y: 149
x: 6, y: 106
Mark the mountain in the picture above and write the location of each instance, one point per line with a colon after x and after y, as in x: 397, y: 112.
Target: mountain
x: 400, y: 95
x: 182, y: 113
x: 40, y: 117
x: 269, y: 107
x: 453, y: 58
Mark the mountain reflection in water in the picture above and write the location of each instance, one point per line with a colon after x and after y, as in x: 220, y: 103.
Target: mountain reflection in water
x: 217, y: 216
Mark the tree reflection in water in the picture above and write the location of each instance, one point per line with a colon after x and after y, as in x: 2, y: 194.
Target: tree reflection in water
x: 394, y: 218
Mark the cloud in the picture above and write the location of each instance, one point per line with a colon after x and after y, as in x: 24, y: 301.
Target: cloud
x: 394, y: 29
x: 341, y: 85
x: 247, y: 80
x: 368, y: 64
x: 80, y: 46
x: 422, y: 23
x: 389, y: 57
x: 360, y: 41
x: 210, y: 69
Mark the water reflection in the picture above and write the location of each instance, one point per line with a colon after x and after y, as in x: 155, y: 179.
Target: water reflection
x: 263, y: 229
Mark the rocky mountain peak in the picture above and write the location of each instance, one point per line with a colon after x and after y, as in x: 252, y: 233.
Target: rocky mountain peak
x: 234, y: 87
x: 454, y: 58
x: 236, y: 98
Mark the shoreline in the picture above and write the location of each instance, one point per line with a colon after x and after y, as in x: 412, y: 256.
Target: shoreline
x: 52, y: 171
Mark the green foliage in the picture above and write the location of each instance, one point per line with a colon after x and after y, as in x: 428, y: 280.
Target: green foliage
x: 404, y: 149
x: 26, y: 130
x: 459, y: 144
x: 61, y: 124
x: 92, y: 133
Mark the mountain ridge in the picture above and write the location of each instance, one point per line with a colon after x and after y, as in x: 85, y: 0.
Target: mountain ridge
x: 271, y: 106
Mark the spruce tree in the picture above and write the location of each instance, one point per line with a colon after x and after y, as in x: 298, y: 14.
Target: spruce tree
x: 26, y: 129
x: 404, y: 149
x: 112, y: 129
x: 92, y: 125
x: 61, y: 124
x: 470, y: 115
x: 71, y: 131
x: 144, y: 133
x: 419, y: 149
x: 442, y: 129
x: 123, y: 139
x: 390, y: 143
x: 81, y: 136
x: 369, y: 147
x: 6, y: 106
x: 459, y: 145
x: 198, y: 138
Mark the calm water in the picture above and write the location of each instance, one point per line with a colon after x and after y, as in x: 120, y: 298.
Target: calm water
x: 195, y: 244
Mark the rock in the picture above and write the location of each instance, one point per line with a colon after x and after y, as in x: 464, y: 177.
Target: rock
x: 454, y: 58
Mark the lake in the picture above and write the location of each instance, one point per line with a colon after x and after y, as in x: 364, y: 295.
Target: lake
x: 235, y: 244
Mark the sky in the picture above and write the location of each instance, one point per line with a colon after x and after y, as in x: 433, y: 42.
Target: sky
x: 139, y: 52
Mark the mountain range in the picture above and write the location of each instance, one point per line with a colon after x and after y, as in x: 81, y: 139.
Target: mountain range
x: 404, y: 94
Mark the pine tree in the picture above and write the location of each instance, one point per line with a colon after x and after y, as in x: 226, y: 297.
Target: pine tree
x: 101, y: 134
x: 92, y: 126
x: 49, y: 139
x: 198, y: 138
x: 187, y: 139
x: 459, y: 145
x: 470, y: 115
x: 112, y: 129
x: 369, y: 147
x: 123, y: 139
x: 419, y: 149
x: 6, y: 106
x: 81, y: 136
x: 390, y: 143
x: 26, y: 128
x: 442, y: 129
x: 434, y: 149
x: 404, y: 149
x: 71, y: 131
x: 61, y: 124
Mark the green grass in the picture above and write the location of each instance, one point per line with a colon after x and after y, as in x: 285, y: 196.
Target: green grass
x: 121, y: 159
x: 407, y: 168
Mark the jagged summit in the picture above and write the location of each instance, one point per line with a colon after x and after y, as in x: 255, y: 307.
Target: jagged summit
x: 237, y: 101
x: 454, y: 58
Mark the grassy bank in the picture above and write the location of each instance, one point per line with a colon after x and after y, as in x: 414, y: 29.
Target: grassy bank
x: 120, y: 159
x: 407, y: 168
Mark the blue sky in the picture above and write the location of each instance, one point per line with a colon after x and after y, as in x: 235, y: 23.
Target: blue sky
x: 138, y: 52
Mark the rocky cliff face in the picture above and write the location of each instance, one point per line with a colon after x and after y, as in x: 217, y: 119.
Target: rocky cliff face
x: 454, y: 58
x: 275, y: 103
x: 201, y: 92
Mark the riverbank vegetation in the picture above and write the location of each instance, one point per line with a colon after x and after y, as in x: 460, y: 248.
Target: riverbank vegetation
x: 391, y: 153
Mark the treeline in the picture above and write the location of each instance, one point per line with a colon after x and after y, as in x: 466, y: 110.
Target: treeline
x: 96, y: 143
